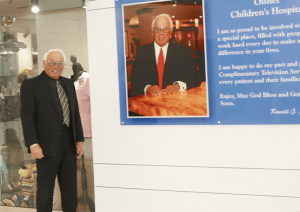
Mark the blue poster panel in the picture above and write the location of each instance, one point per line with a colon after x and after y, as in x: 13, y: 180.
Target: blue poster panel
x: 245, y: 54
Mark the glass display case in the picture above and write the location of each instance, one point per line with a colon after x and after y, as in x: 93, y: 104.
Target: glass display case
x: 13, y: 154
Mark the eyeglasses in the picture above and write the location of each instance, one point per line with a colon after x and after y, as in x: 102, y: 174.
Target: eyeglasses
x: 52, y: 63
x: 158, y: 29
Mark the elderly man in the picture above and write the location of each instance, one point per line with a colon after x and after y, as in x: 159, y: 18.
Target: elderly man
x: 52, y: 131
x: 163, y: 67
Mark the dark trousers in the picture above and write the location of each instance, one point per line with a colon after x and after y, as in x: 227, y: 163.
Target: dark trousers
x: 64, y: 165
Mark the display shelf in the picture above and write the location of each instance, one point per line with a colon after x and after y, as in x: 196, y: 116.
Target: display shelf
x: 12, y: 151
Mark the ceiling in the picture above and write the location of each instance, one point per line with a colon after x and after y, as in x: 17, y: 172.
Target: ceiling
x: 16, y: 8
x: 21, y: 9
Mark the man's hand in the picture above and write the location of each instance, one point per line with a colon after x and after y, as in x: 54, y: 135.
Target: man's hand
x: 170, y: 89
x: 154, y: 90
x: 37, y: 152
x: 79, y: 148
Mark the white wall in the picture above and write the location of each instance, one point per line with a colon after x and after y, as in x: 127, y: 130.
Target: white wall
x: 181, y: 168
x: 64, y: 29
x: 25, y: 55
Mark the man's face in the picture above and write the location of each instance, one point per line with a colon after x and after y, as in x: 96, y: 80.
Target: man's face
x: 53, y: 71
x: 161, y: 37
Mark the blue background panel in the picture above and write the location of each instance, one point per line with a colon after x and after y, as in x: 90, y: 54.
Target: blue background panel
x: 255, y: 110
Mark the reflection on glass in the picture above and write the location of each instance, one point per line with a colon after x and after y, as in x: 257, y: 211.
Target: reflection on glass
x: 16, y: 180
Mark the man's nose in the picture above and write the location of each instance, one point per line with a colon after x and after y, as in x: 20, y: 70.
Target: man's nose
x: 55, y: 64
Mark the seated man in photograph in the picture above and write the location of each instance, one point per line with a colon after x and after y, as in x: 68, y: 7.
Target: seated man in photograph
x: 163, y: 67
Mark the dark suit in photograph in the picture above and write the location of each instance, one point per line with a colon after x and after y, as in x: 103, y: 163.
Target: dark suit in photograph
x: 42, y: 119
x: 179, y: 66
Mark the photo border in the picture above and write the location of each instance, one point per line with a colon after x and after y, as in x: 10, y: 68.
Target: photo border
x: 149, y: 120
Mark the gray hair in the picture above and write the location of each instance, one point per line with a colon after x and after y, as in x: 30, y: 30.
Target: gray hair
x: 55, y: 50
x: 163, y: 15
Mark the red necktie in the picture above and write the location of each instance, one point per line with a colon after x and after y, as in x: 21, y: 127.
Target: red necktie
x: 160, y: 68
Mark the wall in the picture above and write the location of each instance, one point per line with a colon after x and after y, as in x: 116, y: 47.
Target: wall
x: 48, y: 5
x: 181, y: 168
x: 25, y: 55
x: 64, y: 29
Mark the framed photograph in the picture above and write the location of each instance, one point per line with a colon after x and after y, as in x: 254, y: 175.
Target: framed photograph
x: 126, y: 44
x: 177, y: 87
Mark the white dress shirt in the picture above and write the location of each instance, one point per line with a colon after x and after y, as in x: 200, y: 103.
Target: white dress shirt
x: 182, y: 85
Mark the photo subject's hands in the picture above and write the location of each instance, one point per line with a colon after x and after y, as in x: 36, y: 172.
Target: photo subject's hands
x: 154, y: 90
x: 170, y: 89
x: 36, y: 152
x: 79, y: 149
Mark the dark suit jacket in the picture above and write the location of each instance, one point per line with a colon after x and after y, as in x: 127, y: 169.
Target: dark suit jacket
x: 42, y: 116
x: 179, y: 66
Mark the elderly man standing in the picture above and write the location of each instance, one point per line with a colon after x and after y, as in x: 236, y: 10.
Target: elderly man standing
x: 163, y: 67
x: 52, y: 131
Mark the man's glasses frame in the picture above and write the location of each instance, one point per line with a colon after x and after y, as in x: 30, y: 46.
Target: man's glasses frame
x: 52, y: 63
x: 159, y: 29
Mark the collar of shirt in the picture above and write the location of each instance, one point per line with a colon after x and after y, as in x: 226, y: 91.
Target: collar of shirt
x: 157, y: 50
x: 50, y: 80
x: 53, y: 82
